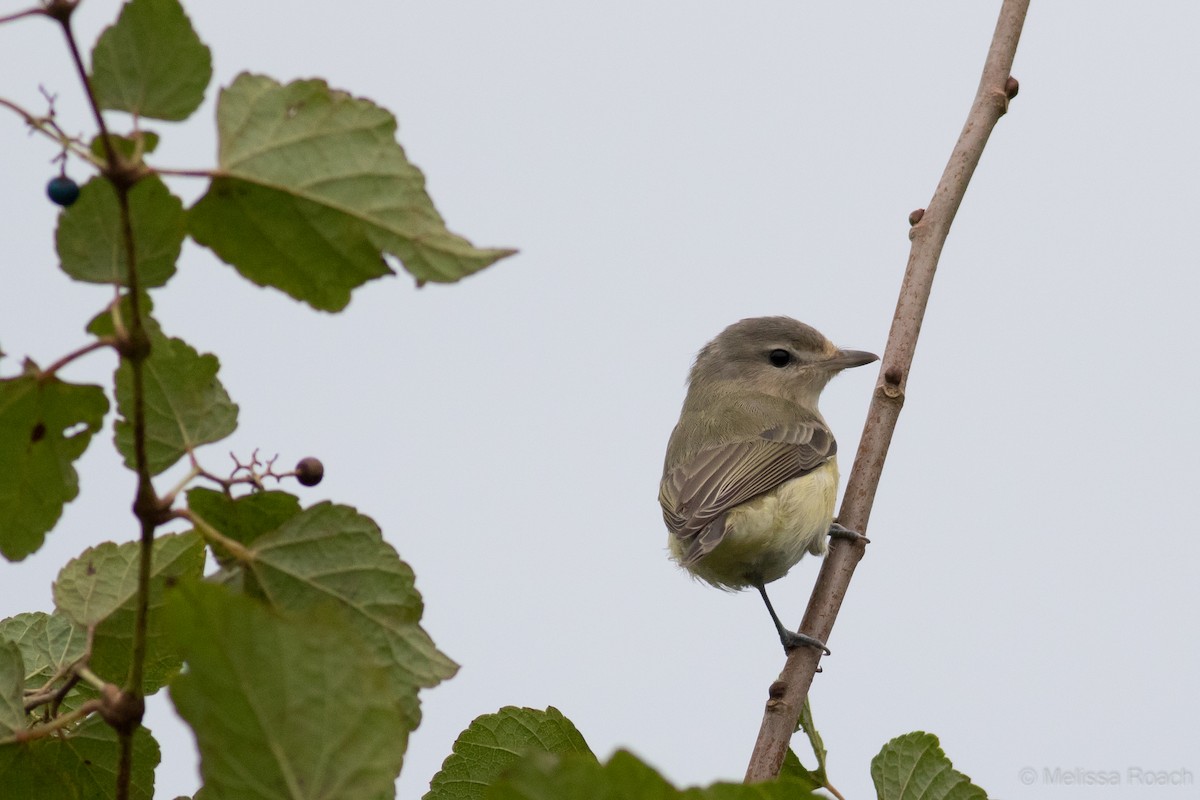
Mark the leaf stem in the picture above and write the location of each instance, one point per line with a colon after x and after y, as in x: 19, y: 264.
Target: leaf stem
x: 104, y: 341
x: 928, y: 235
x: 186, y: 173
x: 214, y: 536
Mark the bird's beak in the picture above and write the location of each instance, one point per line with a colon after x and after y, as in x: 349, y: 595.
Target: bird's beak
x: 844, y: 359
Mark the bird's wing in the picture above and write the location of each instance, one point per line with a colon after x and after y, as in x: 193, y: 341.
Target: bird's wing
x: 696, y: 495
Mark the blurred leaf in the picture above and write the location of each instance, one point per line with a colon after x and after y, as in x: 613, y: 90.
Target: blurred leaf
x: 794, y: 770
x: 242, y: 519
x: 186, y: 405
x: 126, y: 145
x: 45, y: 424
x: 79, y: 765
x: 100, y: 586
x: 313, y: 190
x: 91, y: 245
x: 48, y: 642
x: 12, y: 688
x: 494, y: 742
x: 280, y: 707
x: 913, y: 767
x: 544, y: 777
x: 151, y: 62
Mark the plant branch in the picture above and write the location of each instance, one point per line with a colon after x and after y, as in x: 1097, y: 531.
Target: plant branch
x: 29, y: 12
x: 134, y: 348
x: 928, y: 235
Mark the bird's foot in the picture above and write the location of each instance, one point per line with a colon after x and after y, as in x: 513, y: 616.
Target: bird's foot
x: 837, y: 531
x: 791, y: 640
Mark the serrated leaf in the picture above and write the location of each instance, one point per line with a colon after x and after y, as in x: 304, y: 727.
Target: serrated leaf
x: 913, y: 767
x: 151, y: 62
x: 80, y: 764
x: 12, y: 688
x: 242, y: 519
x: 91, y: 243
x: 494, y: 742
x: 281, y: 707
x: 331, y: 554
x: 313, y: 190
x: 540, y: 776
x: 48, y: 642
x: 186, y: 405
x: 100, y: 587
x: 45, y: 424
x: 334, y: 558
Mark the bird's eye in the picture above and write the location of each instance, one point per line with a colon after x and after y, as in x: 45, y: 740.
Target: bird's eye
x: 780, y: 358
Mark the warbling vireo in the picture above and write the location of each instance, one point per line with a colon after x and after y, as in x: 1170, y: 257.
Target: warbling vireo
x: 751, y: 474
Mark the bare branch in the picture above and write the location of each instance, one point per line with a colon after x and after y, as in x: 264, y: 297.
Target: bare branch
x: 928, y: 235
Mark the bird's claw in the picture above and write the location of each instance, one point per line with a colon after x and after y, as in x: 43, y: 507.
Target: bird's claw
x: 837, y: 531
x: 791, y: 640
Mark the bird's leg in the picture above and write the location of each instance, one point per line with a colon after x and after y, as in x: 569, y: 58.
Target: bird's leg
x: 837, y: 531
x: 790, y: 639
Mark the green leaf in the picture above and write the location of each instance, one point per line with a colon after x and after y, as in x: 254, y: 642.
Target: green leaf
x: 242, y: 519
x: 913, y: 767
x: 151, y: 62
x: 40, y: 438
x: 331, y: 554
x: 81, y: 764
x: 12, y: 688
x: 334, y: 558
x: 91, y: 246
x: 186, y: 406
x: 540, y: 776
x: 48, y: 642
x: 313, y: 190
x: 100, y: 587
x: 794, y: 770
x: 127, y: 146
x: 281, y: 707
x: 494, y: 742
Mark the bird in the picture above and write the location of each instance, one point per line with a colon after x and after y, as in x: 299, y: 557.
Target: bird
x: 750, y: 476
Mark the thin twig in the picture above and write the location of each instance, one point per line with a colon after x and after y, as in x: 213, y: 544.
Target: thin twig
x: 186, y: 173
x: 928, y: 235
x: 104, y: 341
x: 29, y: 12
x: 58, y: 723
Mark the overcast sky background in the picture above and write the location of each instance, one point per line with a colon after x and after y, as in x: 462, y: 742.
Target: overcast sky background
x: 667, y: 168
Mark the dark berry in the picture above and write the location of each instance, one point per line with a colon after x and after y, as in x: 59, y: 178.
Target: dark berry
x: 309, y: 471
x: 63, y: 190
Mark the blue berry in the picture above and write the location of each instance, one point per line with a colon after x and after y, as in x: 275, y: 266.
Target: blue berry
x: 63, y: 190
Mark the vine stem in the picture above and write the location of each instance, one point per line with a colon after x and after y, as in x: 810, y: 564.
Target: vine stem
x: 104, y: 341
x: 928, y: 235
x: 134, y: 348
x: 29, y: 12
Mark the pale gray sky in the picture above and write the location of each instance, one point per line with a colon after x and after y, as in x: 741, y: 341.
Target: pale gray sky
x: 667, y: 168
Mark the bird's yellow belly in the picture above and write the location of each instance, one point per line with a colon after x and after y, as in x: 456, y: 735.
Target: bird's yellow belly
x: 766, y: 536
